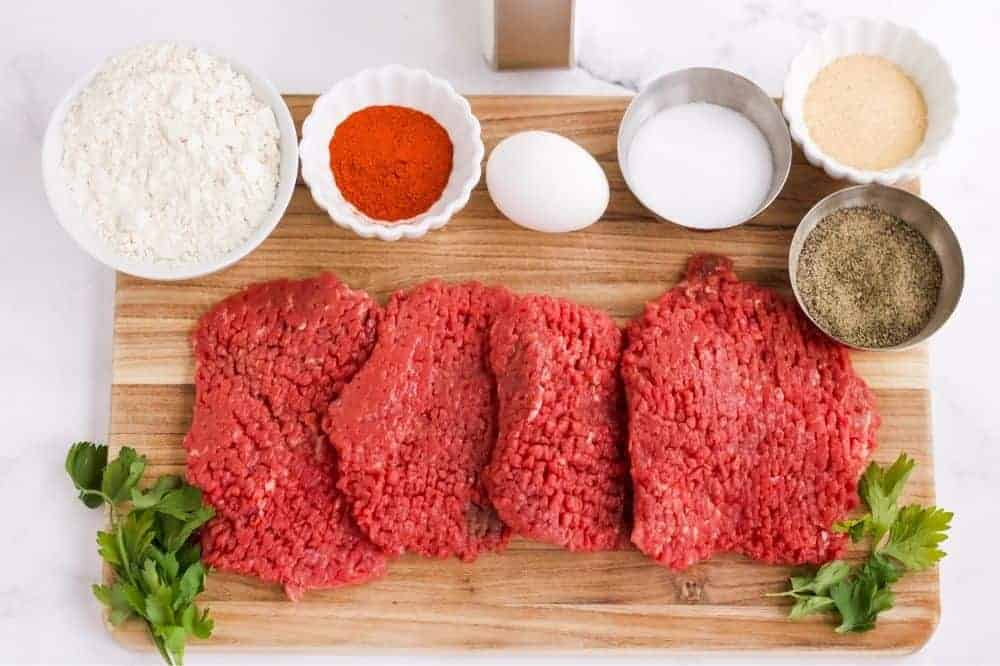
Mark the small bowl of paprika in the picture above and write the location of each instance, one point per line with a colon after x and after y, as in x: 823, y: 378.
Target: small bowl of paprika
x: 391, y: 152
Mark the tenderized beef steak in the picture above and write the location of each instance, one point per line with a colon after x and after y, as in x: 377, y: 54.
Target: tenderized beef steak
x: 748, y: 428
x: 416, y: 427
x: 559, y: 472
x: 269, y: 360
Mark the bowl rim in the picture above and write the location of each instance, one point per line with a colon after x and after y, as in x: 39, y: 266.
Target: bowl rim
x: 70, y: 217
x: 910, y: 169
x: 623, y: 150
x: 318, y: 176
x: 803, y: 230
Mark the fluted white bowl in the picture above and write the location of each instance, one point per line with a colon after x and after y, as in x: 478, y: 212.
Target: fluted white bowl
x: 401, y: 86
x: 915, y: 55
x: 68, y: 213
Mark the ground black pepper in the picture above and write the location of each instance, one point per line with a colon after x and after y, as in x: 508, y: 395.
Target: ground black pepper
x: 868, y: 278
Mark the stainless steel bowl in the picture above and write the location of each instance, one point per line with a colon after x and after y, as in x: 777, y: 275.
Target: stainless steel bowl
x: 714, y: 86
x: 918, y: 214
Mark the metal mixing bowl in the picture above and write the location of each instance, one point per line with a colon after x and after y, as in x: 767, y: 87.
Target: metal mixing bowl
x: 915, y: 212
x: 714, y: 86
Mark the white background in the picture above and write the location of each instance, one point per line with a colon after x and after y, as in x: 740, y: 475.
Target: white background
x: 55, y: 317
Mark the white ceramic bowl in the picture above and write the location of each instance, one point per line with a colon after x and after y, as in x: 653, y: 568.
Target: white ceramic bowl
x: 915, y: 55
x: 400, y: 86
x: 83, y: 232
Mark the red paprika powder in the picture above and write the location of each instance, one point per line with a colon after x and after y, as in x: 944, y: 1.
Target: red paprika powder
x: 391, y: 162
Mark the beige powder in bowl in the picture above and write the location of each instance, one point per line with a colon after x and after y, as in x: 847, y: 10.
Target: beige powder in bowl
x: 865, y: 112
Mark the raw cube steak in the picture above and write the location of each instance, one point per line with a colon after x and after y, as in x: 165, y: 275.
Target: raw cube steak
x: 417, y: 425
x: 559, y: 471
x: 748, y: 428
x: 269, y: 360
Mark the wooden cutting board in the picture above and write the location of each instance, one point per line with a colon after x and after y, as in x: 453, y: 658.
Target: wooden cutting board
x: 532, y: 597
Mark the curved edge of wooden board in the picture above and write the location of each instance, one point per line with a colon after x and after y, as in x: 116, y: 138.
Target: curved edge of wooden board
x: 339, y: 630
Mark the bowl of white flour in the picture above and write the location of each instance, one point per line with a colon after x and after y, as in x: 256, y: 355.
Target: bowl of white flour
x: 169, y: 162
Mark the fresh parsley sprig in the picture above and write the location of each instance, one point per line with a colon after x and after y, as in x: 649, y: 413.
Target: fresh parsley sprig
x: 902, y: 539
x: 157, y: 566
x: 880, y: 490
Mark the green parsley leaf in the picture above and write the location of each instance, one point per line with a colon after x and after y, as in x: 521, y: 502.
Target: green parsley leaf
x: 122, y: 474
x: 135, y: 598
x: 85, y: 465
x: 115, y: 598
x: 809, y: 605
x: 854, y: 528
x: 151, y: 577
x: 176, y: 532
x: 137, y: 532
x: 859, y: 600
x: 107, y: 548
x: 202, y: 625
x: 880, y: 489
x: 188, y: 554
x: 880, y: 569
x: 159, y: 608
x: 151, y: 497
x: 817, y: 583
x: 190, y: 585
x: 168, y: 564
x: 916, y: 534
x: 829, y: 575
x: 181, y: 503
x: 810, y: 590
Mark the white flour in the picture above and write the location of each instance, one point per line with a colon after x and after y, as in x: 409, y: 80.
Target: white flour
x: 170, y: 155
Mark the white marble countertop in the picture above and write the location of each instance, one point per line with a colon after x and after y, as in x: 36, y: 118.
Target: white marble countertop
x: 57, y: 302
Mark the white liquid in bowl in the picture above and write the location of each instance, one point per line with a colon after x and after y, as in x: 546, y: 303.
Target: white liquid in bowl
x: 701, y: 165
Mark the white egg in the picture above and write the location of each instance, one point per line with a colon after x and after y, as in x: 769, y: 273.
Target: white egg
x: 545, y: 182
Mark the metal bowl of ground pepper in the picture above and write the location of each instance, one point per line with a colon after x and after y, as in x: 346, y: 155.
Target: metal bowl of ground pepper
x: 876, y: 268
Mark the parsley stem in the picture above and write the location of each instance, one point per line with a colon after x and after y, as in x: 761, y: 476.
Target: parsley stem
x: 96, y: 493
x: 158, y: 642
x: 126, y: 569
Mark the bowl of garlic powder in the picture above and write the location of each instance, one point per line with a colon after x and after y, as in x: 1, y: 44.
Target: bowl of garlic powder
x: 169, y: 162
x: 870, y: 101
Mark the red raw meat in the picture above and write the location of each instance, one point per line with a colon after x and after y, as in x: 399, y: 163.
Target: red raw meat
x: 748, y: 428
x: 417, y: 425
x: 269, y: 360
x: 559, y: 472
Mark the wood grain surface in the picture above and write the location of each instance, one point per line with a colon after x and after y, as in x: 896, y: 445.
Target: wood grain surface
x: 532, y: 597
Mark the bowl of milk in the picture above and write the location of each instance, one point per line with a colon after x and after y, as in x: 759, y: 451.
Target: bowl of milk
x: 704, y: 148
